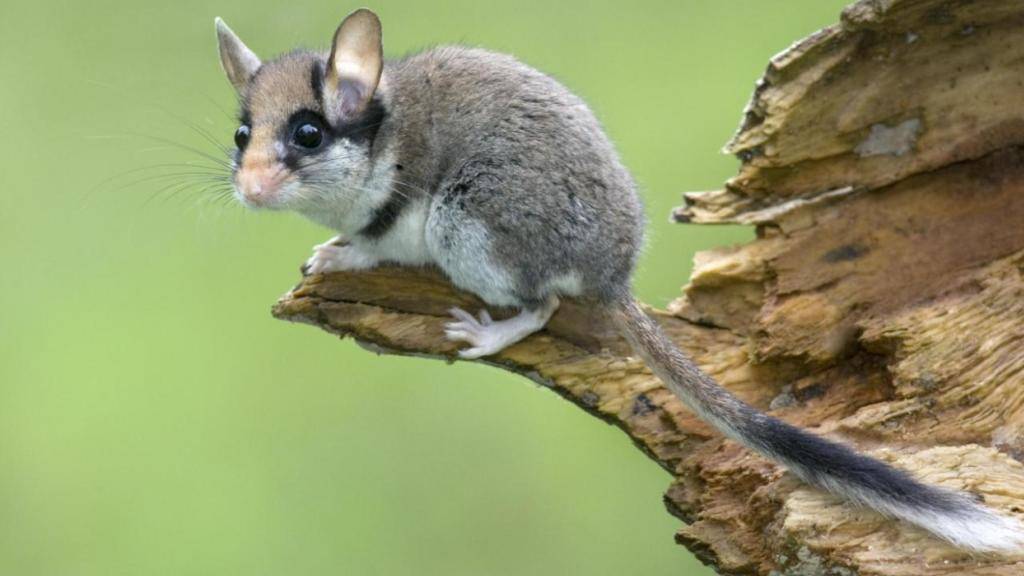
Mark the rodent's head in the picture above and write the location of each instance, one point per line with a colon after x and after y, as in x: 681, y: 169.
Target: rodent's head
x: 308, y: 121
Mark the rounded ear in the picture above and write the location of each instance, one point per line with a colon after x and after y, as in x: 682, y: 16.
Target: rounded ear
x: 239, y: 63
x: 353, y: 70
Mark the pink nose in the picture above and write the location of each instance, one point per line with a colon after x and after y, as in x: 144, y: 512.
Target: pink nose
x: 259, y: 184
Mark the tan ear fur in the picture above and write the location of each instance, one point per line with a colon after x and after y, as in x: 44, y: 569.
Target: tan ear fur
x: 239, y: 62
x: 354, y: 67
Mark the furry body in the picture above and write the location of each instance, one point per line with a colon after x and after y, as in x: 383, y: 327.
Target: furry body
x: 453, y: 175
x: 502, y: 178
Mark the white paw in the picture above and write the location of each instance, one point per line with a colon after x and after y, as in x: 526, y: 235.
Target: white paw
x: 484, y: 334
x: 330, y: 257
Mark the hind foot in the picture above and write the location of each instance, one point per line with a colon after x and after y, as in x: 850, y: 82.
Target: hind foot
x: 487, y: 336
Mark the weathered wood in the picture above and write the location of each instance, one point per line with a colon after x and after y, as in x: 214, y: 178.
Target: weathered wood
x: 881, y: 303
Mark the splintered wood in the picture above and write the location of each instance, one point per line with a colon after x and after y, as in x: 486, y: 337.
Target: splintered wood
x: 881, y: 304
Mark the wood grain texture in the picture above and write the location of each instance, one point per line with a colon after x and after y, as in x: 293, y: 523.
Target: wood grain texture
x: 881, y: 303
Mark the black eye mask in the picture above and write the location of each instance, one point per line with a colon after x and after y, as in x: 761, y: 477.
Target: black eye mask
x: 307, y: 132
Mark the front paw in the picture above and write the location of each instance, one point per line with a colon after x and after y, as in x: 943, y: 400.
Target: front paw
x: 331, y: 257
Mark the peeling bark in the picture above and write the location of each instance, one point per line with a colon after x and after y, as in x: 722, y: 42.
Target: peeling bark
x: 881, y: 303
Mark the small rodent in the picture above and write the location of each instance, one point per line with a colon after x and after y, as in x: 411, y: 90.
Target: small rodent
x: 498, y: 175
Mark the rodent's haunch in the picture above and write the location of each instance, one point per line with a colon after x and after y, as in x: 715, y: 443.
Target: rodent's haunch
x: 495, y: 173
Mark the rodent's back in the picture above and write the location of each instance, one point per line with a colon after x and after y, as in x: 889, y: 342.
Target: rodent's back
x: 550, y: 183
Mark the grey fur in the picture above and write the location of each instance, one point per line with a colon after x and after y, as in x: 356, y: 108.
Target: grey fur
x: 501, y: 177
x: 489, y: 140
x: 513, y: 150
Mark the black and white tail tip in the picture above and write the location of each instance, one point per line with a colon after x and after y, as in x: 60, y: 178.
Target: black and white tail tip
x: 949, y: 514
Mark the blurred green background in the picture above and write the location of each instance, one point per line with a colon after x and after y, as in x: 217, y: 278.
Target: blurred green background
x: 155, y: 420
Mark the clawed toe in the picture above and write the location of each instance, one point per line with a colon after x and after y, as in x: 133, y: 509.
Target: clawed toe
x: 325, y: 258
x: 478, y: 331
x: 467, y: 318
x: 334, y: 257
x: 487, y: 336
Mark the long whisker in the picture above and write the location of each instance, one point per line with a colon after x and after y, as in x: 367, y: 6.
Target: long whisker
x: 206, y: 135
x: 218, y: 161
x: 175, y: 176
x: 212, y: 170
x: 227, y: 114
x: 172, y: 189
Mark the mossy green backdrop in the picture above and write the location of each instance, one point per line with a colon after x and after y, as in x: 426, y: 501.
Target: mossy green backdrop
x: 154, y: 419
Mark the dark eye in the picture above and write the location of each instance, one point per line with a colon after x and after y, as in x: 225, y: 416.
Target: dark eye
x: 308, y: 135
x: 242, y: 136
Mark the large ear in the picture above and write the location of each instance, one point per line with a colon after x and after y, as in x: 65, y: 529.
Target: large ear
x: 354, y: 68
x: 239, y: 63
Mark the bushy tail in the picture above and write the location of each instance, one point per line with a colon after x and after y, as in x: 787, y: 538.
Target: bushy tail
x: 954, y: 516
